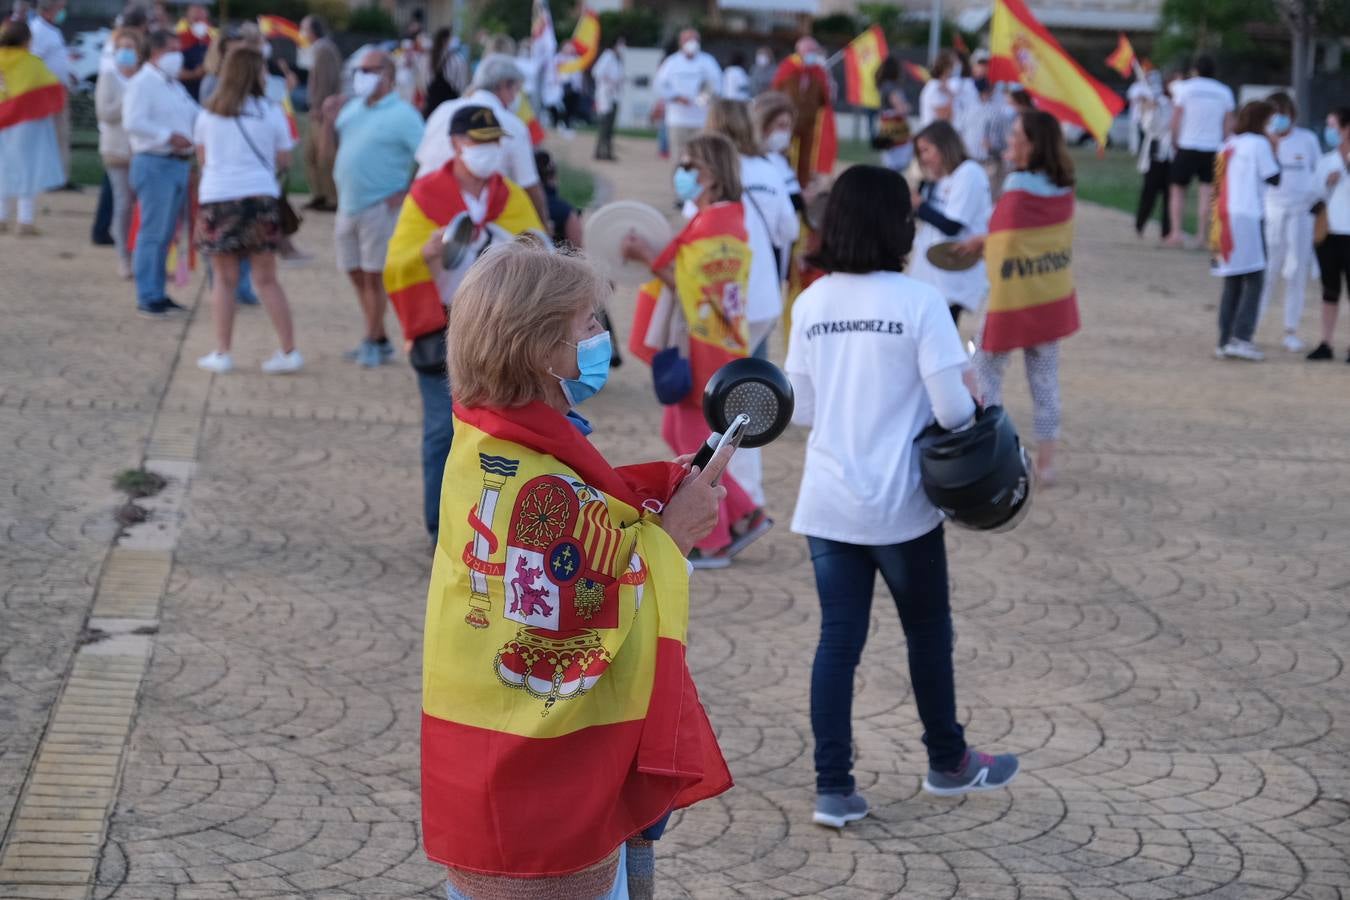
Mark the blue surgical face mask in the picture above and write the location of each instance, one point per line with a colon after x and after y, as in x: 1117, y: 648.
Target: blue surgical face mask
x: 1332, y: 135
x: 60, y: 17
x: 1279, y: 124
x: 125, y: 57
x: 593, y: 355
x: 687, y: 187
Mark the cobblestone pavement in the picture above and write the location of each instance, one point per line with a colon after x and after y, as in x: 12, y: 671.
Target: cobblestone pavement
x: 1163, y: 640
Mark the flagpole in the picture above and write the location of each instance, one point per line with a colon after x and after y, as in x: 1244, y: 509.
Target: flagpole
x: 934, y: 31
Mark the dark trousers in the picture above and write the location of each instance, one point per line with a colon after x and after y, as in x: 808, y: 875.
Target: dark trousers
x: 1155, y: 185
x: 101, y: 233
x: 438, y: 430
x: 604, y: 141
x: 1239, y: 306
x: 1333, y: 258
x: 916, y: 573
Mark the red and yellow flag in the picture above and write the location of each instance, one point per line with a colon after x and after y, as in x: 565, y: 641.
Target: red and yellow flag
x: 432, y: 202
x: 559, y: 717
x: 712, y: 278
x: 916, y: 71
x: 1029, y: 258
x: 28, y: 89
x: 862, y: 58
x: 1024, y: 51
x: 1122, y: 59
x: 813, y: 152
x: 279, y: 27
x: 585, y: 41
x: 525, y: 111
x: 187, y: 39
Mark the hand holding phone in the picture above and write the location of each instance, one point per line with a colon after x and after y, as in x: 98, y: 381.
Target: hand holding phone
x: 716, y: 453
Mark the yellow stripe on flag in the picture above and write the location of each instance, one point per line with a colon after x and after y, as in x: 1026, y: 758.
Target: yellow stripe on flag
x: 1034, y: 266
x: 586, y: 41
x: 862, y: 58
x: 403, y: 263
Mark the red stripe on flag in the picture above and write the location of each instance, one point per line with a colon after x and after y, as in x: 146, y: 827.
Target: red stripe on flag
x: 419, y: 309
x: 38, y: 103
x: 1046, y: 211
x: 501, y: 804
x: 1012, y: 330
x: 852, y: 77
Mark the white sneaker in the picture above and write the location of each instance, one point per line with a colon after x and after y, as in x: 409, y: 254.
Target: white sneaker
x: 1243, y: 350
x: 217, y: 362
x: 1220, y: 353
x: 124, y: 268
x: 1293, y: 344
x: 283, y: 363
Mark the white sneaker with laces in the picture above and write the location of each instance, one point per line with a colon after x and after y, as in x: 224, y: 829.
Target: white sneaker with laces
x: 1293, y: 344
x: 1243, y: 350
x: 217, y: 362
x: 284, y: 363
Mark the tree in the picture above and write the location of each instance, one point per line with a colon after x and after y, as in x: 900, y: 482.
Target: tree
x: 1305, y: 19
x: 1187, y: 27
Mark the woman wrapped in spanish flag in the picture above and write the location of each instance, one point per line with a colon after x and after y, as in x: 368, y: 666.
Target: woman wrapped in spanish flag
x: 560, y: 724
x: 1028, y: 255
x: 30, y: 98
x: 707, y: 267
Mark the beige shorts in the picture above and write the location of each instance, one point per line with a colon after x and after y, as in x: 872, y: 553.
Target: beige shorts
x: 363, y: 237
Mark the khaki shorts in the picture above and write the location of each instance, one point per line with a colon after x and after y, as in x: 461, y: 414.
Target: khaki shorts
x: 363, y: 237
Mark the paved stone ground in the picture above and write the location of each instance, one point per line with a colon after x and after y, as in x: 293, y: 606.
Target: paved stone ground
x: 1164, y: 640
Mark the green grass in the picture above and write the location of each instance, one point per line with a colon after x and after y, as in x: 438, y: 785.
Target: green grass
x: 577, y: 186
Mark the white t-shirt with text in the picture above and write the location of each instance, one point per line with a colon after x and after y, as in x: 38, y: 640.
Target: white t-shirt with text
x: 860, y: 349
x: 1298, y: 155
x: 233, y: 169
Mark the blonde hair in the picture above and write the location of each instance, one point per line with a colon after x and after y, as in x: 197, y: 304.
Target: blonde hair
x: 715, y: 153
x: 241, y: 77
x: 514, y: 306
x: 769, y: 106
x: 732, y: 118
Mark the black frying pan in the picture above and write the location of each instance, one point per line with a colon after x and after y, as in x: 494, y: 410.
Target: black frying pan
x: 754, y: 387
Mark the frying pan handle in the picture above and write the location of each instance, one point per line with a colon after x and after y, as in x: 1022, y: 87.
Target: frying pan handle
x: 705, y: 453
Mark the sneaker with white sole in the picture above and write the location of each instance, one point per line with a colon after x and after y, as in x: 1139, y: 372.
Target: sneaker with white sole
x: 1293, y: 344
x: 837, y: 810
x: 1220, y: 353
x: 978, y: 772
x: 719, y: 559
x: 1236, y: 349
x: 284, y: 363
x: 217, y: 362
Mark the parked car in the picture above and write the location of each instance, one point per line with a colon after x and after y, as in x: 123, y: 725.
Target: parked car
x: 85, y: 50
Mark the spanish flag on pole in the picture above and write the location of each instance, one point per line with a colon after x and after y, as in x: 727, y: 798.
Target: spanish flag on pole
x: 28, y: 89
x: 1122, y: 59
x: 1024, y: 51
x: 586, y: 42
x: 559, y: 717
x: 862, y: 58
x: 432, y: 202
x: 525, y: 111
x: 279, y: 27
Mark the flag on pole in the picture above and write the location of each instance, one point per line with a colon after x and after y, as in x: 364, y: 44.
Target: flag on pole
x: 959, y: 43
x: 862, y: 58
x: 525, y: 112
x: 1122, y: 59
x: 1024, y: 51
x: 280, y: 27
x: 916, y: 71
x: 543, y: 39
x: 585, y: 41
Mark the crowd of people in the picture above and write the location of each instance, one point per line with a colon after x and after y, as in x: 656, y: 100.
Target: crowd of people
x: 1271, y: 198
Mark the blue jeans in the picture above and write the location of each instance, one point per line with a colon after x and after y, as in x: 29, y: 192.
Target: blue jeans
x: 916, y: 573
x: 438, y: 429
x: 161, y: 184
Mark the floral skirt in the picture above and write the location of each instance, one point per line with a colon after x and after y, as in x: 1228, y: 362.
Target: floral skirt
x: 239, y: 227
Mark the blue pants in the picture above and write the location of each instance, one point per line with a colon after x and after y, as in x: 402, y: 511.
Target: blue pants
x: 916, y: 573
x: 161, y: 184
x: 438, y: 429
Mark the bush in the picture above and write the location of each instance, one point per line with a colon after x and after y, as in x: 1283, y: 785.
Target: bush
x: 373, y: 21
x: 337, y: 13
x: 639, y: 27
x: 241, y: 10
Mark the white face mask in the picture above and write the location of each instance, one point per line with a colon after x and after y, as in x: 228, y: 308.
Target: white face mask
x: 365, y: 83
x: 304, y: 57
x: 690, y: 48
x: 483, y: 160
x: 200, y: 30
x: 267, y: 49
x: 778, y: 141
x: 170, y: 63
x: 813, y: 59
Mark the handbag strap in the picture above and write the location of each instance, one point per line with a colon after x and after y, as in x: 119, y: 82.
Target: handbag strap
x: 239, y: 123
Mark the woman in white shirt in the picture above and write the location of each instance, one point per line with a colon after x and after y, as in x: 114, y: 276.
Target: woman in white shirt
x: 874, y: 357
x: 774, y: 119
x: 242, y: 141
x: 938, y: 98
x: 952, y: 204
x: 1244, y: 166
x: 114, y: 147
x: 1333, y: 254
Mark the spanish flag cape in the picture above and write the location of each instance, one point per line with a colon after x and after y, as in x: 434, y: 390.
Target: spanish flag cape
x: 809, y: 88
x: 559, y: 717
x: 28, y: 89
x: 712, y: 278
x: 432, y: 202
x: 1029, y: 257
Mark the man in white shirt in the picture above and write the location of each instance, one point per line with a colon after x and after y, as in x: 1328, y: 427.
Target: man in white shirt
x: 608, y: 75
x: 682, y: 82
x: 1202, y: 116
x: 49, y: 45
x: 159, y: 116
x: 497, y: 84
x: 1289, y: 218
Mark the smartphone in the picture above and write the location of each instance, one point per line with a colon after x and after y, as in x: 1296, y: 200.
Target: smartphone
x: 732, y: 438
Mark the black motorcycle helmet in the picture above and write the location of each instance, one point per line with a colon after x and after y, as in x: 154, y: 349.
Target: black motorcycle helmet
x: 980, y: 477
